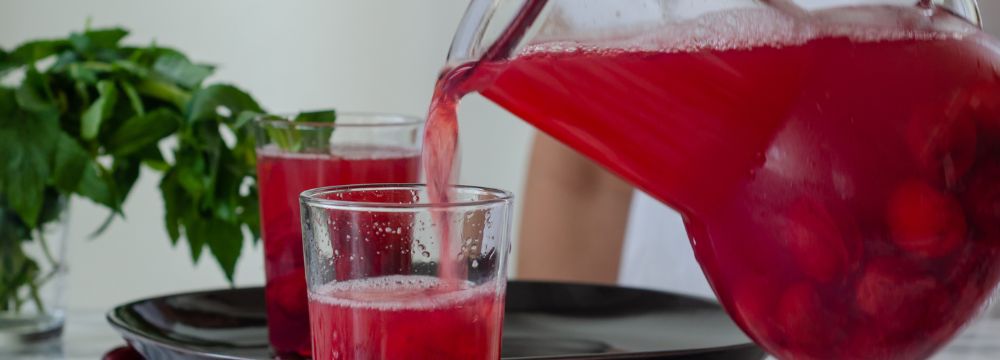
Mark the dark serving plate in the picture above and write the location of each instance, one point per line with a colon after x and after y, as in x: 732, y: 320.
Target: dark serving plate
x: 542, y: 321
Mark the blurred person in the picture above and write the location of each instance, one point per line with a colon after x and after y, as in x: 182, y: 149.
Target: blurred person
x: 583, y: 224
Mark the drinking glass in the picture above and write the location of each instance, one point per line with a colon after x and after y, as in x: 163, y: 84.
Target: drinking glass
x: 293, y: 156
x: 445, y: 302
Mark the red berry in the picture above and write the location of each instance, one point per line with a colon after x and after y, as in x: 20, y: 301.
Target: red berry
x: 803, y: 319
x: 942, y: 139
x: 895, y: 296
x: 925, y: 221
x: 123, y: 353
x: 821, y: 248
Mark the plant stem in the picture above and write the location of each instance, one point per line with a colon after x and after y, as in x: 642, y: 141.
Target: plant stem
x: 17, y: 304
x: 36, y: 298
x: 45, y: 249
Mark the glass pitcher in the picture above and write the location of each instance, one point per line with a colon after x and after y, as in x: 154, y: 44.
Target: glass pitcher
x: 836, y: 162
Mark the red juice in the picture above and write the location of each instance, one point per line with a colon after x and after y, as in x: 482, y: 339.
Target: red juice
x: 281, y: 176
x: 840, y: 182
x: 405, y: 317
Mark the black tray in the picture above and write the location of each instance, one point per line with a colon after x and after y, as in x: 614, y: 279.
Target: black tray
x: 542, y: 321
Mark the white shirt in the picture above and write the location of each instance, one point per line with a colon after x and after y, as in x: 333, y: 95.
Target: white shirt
x: 656, y: 253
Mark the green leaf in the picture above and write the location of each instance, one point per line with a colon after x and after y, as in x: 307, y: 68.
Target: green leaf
x: 7, y: 63
x: 323, y: 116
x: 124, y: 173
x: 225, y: 240
x: 92, y: 42
x: 243, y: 119
x: 8, y: 102
x: 34, y: 94
x: 25, y: 181
x: 205, y: 103
x: 133, y: 98
x: 191, y: 171
x: 106, y: 38
x: 140, y: 132
x: 197, y: 231
x: 26, y: 146
x: 128, y: 67
x: 82, y: 74
x: 177, y: 68
x: 31, y: 52
x: 174, y: 201
x: 153, y: 158
x: 64, y: 60
x: 97, y: 185
x: 100, y: 110
x: 70, y: 162
x: 165, y: 91
x: 287, y: 137
x: 52, y: 206
x: 146, y: 56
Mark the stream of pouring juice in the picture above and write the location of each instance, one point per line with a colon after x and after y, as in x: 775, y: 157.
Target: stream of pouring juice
x: 839, y: 176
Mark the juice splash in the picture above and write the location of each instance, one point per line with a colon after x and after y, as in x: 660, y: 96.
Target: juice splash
x: 427, y: 319
x: 839, y: 173
x: 281, y: 177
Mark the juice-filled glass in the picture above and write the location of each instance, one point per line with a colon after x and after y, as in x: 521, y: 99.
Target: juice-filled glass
x: 294, y: 155
x: 446, y: 303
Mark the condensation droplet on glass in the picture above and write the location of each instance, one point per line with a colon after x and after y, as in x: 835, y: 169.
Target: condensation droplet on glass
x: 475, y: 264
x: 426, y: 254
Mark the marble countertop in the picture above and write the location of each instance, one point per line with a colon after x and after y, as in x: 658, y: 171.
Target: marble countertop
x: 88, y: 336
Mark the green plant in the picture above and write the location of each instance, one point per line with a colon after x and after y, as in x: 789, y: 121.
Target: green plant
x: 81, y: 116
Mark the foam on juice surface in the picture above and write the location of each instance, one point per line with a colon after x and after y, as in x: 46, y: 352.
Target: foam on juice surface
x: 343, y: 151
x: 399, y: 292
x: 769, y: 27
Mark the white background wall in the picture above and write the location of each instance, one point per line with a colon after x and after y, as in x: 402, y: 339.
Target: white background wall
x: 292, y: 55
x: 354, y: 55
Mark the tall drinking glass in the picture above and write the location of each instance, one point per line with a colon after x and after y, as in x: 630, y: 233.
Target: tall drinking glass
x: 293, y: 156
x: 441, y: 304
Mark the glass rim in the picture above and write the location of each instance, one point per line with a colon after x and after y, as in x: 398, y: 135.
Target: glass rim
x: 383, y: 119
x: 312, y: 197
